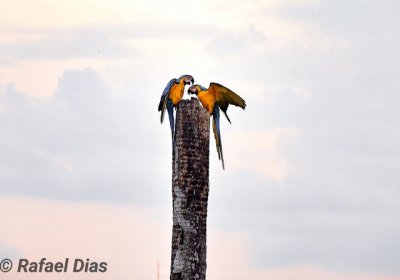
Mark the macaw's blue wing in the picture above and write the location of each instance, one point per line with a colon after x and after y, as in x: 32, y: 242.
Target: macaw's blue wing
x: 217, y: 134
x: 164, y: 99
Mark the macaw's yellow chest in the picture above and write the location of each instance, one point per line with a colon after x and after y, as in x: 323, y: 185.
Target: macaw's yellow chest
x: 207, y: 100
x: 176, y: 93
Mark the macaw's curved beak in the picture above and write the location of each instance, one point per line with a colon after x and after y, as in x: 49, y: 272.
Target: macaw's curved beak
x: 189, y: 80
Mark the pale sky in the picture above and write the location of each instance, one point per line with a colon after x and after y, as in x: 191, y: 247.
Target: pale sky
x: 311, y: 186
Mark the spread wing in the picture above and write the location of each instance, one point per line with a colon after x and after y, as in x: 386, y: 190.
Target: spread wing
x: 217, y: 134
x: 224, y: 96
x: 164, y: 99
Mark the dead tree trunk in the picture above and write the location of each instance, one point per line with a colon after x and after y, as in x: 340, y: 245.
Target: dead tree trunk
x: 190, y: 191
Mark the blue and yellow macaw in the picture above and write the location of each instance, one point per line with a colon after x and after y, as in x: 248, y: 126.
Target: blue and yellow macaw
x: 216, y: 98
x: 170, y: 98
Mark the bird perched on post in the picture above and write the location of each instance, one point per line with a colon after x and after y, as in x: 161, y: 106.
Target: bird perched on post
x: 216, y: 98
x: 170, y: 98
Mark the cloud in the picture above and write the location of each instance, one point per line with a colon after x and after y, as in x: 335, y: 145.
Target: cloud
x: 82, y: 90
x: 130, y: 239
x: 312, y: 163
x: 64, y: 44
x: 116, y: 235
x: 80, y: 142
x: 8, y: 252
x: 265, y: 147
x: 233, y: 42
x: 336, y: 206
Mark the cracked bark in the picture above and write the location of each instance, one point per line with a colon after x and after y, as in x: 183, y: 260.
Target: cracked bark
x: 190, y: 183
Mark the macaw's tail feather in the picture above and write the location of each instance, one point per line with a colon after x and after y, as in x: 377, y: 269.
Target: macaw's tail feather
x: 217, y: 134
x: 162, y: 106
x: 170, y: 109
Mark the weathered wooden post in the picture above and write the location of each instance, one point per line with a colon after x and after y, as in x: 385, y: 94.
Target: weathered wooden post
x: 190, y: 183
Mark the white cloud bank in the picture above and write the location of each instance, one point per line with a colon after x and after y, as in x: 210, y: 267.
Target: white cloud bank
x: 313, y: 161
